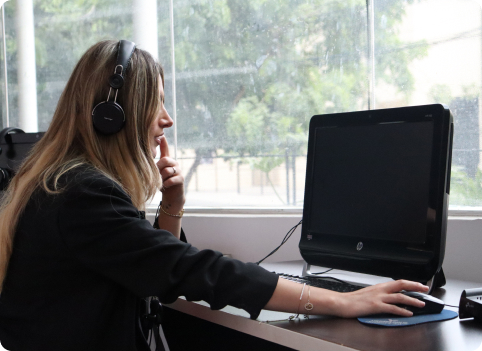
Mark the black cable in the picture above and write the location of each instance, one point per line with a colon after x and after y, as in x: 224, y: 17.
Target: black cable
x: 336, y: 279
x: 285, y: 239
x: 332, y: 278
x: 310, y: 280
x: 323, y: 271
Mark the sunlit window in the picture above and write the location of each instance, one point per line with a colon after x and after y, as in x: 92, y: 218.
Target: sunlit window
x: 249, y: 74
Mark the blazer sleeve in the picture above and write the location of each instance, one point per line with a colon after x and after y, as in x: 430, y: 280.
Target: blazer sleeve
x: 103, y: 231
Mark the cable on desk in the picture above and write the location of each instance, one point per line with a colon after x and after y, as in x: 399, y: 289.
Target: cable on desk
x: 328, y: 270
x: 285, y: 239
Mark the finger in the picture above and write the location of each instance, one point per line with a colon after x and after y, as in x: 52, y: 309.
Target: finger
x: 173, y: 181
x: 402, y: 299
x: 392, y: 309
x: 164, y: 147
x: 400, y: 285
x: 167, y: 162
x: 168, y: 167
x: 170, y: 171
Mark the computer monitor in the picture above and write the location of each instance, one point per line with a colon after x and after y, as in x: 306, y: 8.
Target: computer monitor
x: 376, y: 192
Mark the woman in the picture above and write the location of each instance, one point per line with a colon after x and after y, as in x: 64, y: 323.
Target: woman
x: 76, y: 255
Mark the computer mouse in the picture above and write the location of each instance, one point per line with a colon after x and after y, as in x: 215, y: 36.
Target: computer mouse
x: 432, y: 304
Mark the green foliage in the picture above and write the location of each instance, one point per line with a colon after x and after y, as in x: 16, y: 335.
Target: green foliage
x: 249, y: 73
x: 248, y: 125
x: 299, y: 58
x: 63, y: 32
x: 60, y: 7
x: 309, y: 58
x: 266, y: 164
x: 466, y: 191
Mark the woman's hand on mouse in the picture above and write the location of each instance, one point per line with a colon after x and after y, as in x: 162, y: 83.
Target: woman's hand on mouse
x: 380, y: 298
x: 293, y: 297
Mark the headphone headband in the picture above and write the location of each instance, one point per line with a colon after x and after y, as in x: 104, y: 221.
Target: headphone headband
x: 108, y: 116
x: 124, y: 54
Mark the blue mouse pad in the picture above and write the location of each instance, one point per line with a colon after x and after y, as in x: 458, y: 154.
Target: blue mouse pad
x: 390, y: 320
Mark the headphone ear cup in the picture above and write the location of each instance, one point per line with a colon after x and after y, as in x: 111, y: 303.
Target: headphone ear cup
x: 108, y: 117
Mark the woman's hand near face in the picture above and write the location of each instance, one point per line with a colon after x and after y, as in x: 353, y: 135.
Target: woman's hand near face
x: 173, y: 198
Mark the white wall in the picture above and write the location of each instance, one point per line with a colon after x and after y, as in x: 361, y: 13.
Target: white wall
x: 464, y: 249
x: 250, y: 238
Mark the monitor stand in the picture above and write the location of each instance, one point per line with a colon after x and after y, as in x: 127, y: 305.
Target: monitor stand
x: 437, y: 281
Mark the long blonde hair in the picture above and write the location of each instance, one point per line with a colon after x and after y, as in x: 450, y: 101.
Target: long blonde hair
x: 71, y: 140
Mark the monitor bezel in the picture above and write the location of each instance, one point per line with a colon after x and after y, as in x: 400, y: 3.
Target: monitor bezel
x: 380, y: 257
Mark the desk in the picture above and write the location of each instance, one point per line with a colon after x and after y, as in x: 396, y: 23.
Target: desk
x: 272, y: 330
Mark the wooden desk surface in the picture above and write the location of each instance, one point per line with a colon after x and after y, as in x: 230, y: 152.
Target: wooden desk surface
x: 331, y: 333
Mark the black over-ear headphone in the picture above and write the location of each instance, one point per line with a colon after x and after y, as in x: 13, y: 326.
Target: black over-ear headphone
x: 108, y: 116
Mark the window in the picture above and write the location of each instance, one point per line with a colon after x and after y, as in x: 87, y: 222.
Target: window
x: 249, y: 74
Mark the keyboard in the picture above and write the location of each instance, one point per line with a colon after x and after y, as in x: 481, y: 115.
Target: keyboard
x: 323, y: 282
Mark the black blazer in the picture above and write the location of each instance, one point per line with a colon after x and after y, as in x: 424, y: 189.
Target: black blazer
x: 83, y: 259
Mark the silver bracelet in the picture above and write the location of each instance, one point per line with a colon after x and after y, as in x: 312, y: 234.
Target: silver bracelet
x: 301, y: 296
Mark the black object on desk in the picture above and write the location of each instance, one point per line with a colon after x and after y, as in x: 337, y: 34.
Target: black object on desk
x: 318, y: 332
x: 15, y: 145
x: 376, y: 191
x: 432, y: 304
x: 328, y: 283
x: 470, y: 305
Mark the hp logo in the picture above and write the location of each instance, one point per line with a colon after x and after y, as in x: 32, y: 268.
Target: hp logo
x: 359, y: 246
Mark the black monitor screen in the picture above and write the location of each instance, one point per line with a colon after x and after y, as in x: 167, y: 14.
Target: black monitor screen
x: 377, y: 189
x: 372, y: 181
